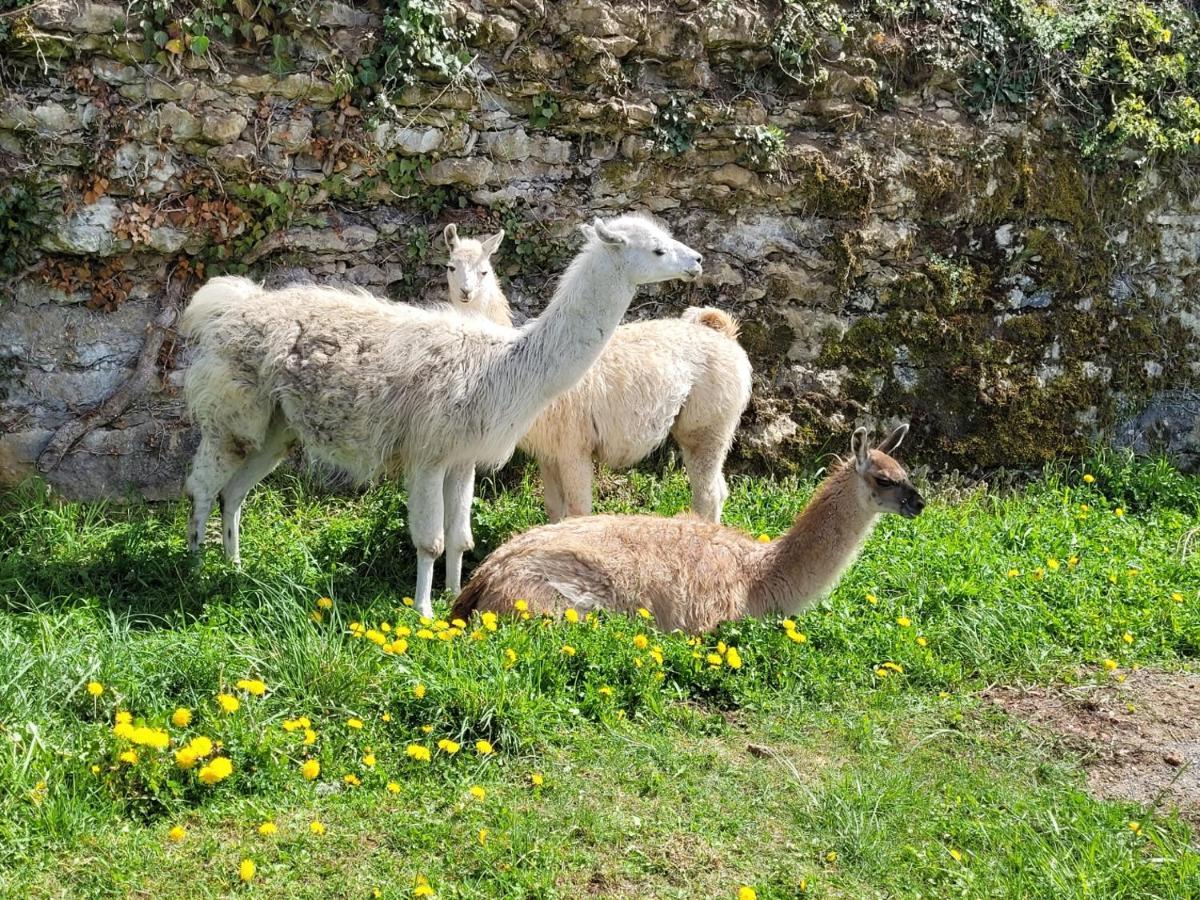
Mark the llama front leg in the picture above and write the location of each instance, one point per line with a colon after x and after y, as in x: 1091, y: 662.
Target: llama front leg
x: 425, y: 525
x: 258, y: 465
x: 575, y: 483
x: 212, y: 467
x: 457, y: 492
x: 552, y: 488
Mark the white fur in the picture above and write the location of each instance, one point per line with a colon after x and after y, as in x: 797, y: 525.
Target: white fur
x: 375, y: 388
x: 665, y: 376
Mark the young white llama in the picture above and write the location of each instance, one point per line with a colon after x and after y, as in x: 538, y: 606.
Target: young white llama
x: 686, y: 377
x: 377, y: 388
x: 693, y: 575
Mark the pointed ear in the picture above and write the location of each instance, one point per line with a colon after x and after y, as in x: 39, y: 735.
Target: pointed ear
x: 606, y: 234
x: 492, y: 243
x: 588, y: 231
x: 858, y: 446
x: 889, y: 444
x: 450, y: 236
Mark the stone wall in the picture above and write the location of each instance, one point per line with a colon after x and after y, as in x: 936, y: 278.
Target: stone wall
x: 890, y: 254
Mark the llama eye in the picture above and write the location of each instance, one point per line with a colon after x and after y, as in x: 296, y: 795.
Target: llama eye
x: 660, y: 252
x: 449, y: 268
x: 884, y: 482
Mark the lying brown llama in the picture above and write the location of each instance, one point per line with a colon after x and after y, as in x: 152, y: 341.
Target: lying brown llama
x: 691, y: 574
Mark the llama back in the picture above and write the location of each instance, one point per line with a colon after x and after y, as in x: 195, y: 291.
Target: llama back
x: 716, y: 319
x: 216, y: 297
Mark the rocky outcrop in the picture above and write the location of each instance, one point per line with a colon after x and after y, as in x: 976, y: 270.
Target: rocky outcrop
x: 890, y: 253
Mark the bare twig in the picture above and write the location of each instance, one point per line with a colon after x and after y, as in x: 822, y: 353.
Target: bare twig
x: 156, y: 334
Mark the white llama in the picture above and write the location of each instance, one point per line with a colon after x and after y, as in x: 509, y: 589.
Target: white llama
x: 376, y: 388
x: 685, y: 377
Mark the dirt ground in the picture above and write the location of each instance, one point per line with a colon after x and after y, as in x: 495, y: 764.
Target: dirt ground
x: 1139, y: 739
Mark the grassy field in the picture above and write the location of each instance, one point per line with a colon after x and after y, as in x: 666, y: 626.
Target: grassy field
x: 843, y: 753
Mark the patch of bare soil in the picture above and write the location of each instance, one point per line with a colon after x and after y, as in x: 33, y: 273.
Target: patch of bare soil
x: 1140, y: 739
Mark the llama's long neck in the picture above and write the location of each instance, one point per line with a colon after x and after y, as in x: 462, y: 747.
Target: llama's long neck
x: 806, y: 563
x: 550, y: 354
x: 492, y: 302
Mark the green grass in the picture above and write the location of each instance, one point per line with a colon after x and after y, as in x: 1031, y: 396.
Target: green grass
x: 861, y: 780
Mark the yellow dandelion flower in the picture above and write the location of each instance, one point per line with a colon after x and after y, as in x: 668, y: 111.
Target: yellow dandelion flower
x: 216, y: 771
x: 324, y: 603
x: 418, y: 752
x: 310, y: 769
x: 426, y: 635
x: 407, y: 601
x: 477, y: 792
x: 352, y: 779
x: 732, y: 658
x: 129, y: 756
x: 721, y: 648
x: 745, y: 892
x: 484, y: 748
x: 872, y: 599
x: 95, y: 770
x: 252, y: 686
x: 922, y: 641
x: 422, y: 890
x: 882, y: 673
x: 378, y: 638
x: 1089, y: 478
x: 656, y: 654
x: 356, y: 724
x: 316, y: 827
x: 177, y: 833
x: 537, y: 779
x: 95, y: 688
x: 1119, y: 512
x: 831, y: 856
x: 448, y: 746
x: 490, y: 620
x: 268, y: 828
x: 1072, y: 561
x: 903, y: 621
x: 571, y: 616
x: 229, y: 703
x: 369, y: 760
x: 1110, y: 664
x: 386, y: 717
x: 943, y: 695
x: 393, y: 787
x: 426, y: 728
x: 605, y: 691
x: 713, y: 659
x: 124, y: 717
x: 310, y: 737
x: 1177, y: 597
x: 764, y: 538
x: 957, y: 854
x: 185, y: 757
x: 200, y: 745
x: 797, y: 637
x: 641, y: 641
x: 419, y: 690
x: 1014, y: 573
x: 483, y: 836
x: 1127, y: 638
x: 520, y: 606
x: 568, y: 649
x: 643, y: 612
x: 895, y: 667
x: 317, y: 616
x: 1135, y: 827
x: 246, y: 870
x: 1039, y: 573
x: 1052, y: 564
x: 398, y: 646
x: 182, y: 717
x: 510, y: 657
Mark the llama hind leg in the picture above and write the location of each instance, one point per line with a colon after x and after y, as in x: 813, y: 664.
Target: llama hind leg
x: 258, y: 465
x: 575, y: 482
x: 458, y: 490
x: 214, y: 464
x: 426, y: 512
x: 704, y: 456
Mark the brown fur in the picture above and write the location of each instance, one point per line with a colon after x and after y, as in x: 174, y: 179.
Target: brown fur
x: 691, y: 574
x: 716, y: 319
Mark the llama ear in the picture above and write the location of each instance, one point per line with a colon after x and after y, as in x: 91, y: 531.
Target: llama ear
x: 588, y: 231
x: 492, y: 244
x: 606, y: 234
x: 858, y: 446
x: 892, y: 441
x: 450, y: 236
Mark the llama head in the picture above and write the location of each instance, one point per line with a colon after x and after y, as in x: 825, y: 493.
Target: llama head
x: 646, y: 250
x: 469, y: 268
x: 883, y: 485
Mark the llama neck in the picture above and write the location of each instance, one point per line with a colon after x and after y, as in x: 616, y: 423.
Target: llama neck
x: 806, y: 563
x: 549, y: 355
x: 493, y: 304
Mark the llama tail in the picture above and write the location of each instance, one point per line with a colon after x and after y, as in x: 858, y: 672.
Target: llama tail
x: 711, y: 317
x: 467, y: 600
x: 215, y: 297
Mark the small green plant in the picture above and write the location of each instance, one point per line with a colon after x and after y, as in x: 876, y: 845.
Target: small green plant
x: 543, y: 109
x: 796, y: 40
x: 765, y: 145
x: 416, y: 38
x: 171, y: 29
x: 675, y: 126
x: 22, y: 222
